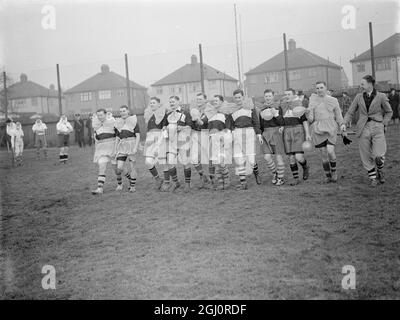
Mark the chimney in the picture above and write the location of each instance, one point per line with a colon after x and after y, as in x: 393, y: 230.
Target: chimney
x: 193, y: 60
x: 52, y: 87
x: 105, y: 69
x: 292, y: 45
x: 23, y: 77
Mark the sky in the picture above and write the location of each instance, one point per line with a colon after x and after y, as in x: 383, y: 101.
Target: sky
x: 160, y: 36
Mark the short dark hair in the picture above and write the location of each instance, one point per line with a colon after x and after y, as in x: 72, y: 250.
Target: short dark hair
x: 124, y: 106
x: 156, y: 99
x: 369, y: 79
x: 174, y: 97
x: 290, y: 89
x: 221, y: 98
x: 321, y: 82
x: 345, y: 92
x: 237, y: 91
x: 300, y: 92
x: 202, y: 94
x: 268, y: 90
x: 101, y: 110
x: 391, y: 89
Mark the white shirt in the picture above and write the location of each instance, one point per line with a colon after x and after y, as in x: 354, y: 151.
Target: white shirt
x: 39, y: 128
x: 64, y: 127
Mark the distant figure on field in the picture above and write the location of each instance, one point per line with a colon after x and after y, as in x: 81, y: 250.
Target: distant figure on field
x: 39, y: 129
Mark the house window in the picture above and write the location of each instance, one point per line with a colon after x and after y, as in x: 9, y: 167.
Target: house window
x: 120, y: 93
x: 105, y: 94
x: 361, y: 67
x: 382, y: 64
x: 86, y: 96
x: 271, y: 77
x: 159, y: 90
x: 294, y: 75
x: 20, y: 102
x: 180, y: 90
x: 34, y: 101
x: 194, y: 88
x: 172, y: 89
x: 312, y: 72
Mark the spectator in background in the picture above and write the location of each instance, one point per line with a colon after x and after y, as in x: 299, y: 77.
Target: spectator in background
x: 79, y: 127
x: 17, y: 143
x: 303, y: 98
x: 88, y: 126
x: 345, y: 103
x: 10, y: 127
x: 39, y: 130
x: 394, y: 103
x: 329, y: 92
x: 64, y: 128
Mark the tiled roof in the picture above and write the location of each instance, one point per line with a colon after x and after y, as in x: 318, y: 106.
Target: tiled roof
x: 387, y: 48
x: 104, y: 80
x: 297, y: 58
x: 28, y: 89
x: 191, y: 73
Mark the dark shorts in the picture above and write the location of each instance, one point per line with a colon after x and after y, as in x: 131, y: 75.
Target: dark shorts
x: 324, y: 144
x: 63, y: 140
x: 122, y: 158
x: 293, y: 138
x: 273, y: 141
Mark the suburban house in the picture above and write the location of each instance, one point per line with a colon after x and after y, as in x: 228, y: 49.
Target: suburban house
x: 105, y: 89
x: 28, y: 96
x: 185, y: 82
x: 387, y: 62
x: 305, y: 68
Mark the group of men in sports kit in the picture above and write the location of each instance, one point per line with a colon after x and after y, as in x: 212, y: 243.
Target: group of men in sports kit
x: 217, y: 134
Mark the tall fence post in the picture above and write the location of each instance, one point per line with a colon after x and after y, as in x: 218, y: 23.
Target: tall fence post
x: 128, y: 87
x: 286, y: 61
x: 59, y: 91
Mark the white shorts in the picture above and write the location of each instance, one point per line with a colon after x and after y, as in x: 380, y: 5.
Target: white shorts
x: 199, y: 147
x: 104, y: 149
x: 105, y: 159
x: 155, y: 146
x: 244, y: 142
x: 221, y: 147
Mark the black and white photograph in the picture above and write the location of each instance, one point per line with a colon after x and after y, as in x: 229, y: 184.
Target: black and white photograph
x: 218, y: 152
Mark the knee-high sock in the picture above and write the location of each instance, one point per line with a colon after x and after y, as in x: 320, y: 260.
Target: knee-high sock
x: 188, y: 174
x: 295, y: 170
x: 225, y: 173
x: 119, y: 177
x: 167, y: 176
x: 242, y: 174
x: 372, y: 174
x: 327, y: 168
x: 173, y: 174
x: 333, y: 165
x: 280, y: 169
x: 220, y: 178
x: 199, y: 169
x: 303, y: 164
x: 271, y: 165
x: 101, y: 179
x: 255, y: 169
x: 380, y: 162
x: 211, y: 170
x: 154, y: 172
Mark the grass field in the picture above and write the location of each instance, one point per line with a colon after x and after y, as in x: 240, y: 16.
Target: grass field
x: 262, y: 243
